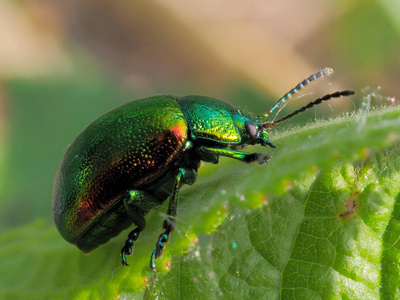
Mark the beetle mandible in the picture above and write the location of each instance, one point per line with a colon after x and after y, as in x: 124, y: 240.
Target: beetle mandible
x: 133, y: 158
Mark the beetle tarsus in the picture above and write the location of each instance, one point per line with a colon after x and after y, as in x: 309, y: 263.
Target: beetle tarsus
x: 152, y: 261
x: 162, y: 240
x: 124, y: 262
x: 127, y: 248
x: 263, y: 158
x: 269, y: 144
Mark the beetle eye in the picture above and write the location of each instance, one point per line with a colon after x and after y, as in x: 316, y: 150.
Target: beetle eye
x: 251, y: 129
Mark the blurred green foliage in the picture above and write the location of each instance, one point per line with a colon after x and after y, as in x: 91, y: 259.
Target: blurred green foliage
x: 288, y: 226
x: 44, y: 117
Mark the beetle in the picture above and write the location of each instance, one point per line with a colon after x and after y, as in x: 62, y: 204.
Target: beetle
x: 132, y: 159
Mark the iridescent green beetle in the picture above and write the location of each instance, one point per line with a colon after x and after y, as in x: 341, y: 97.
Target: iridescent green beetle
x: 133, y: 158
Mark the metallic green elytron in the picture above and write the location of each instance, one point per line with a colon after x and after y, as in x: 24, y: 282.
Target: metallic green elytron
x: 133, y: 158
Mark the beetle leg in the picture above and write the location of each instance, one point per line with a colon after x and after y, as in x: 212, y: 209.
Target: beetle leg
x: 127, y: 249
x: 242, y: 156
x: 135, y: 213
x: 169, y: 222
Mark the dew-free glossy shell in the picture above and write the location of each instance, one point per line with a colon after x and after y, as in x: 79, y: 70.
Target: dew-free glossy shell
x: 122, y: 150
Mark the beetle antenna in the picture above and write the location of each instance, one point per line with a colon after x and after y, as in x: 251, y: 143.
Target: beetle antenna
x: 309, y: 105
x: 300, y: 86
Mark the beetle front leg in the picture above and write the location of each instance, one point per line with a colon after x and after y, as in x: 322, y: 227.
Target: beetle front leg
x: 239, y: 155
x: 169, y: 222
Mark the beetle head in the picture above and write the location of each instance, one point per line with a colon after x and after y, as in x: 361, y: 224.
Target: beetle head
x: 258, y: 134
x: 257, y: 131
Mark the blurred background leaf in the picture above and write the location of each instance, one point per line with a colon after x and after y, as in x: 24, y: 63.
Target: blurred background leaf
x: 64, y: 63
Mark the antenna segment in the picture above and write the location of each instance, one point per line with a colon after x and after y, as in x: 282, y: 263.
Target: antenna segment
x: 300, y: 86
x: 309, y: 105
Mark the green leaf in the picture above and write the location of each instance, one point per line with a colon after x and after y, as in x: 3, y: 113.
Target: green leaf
x: 319, y: 221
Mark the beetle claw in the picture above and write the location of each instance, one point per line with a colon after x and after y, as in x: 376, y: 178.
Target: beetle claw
x: 162, y: 239
x: 124, y: 261
x: 263, y: 158
x: 127, y: 248
x: 152, y: 261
